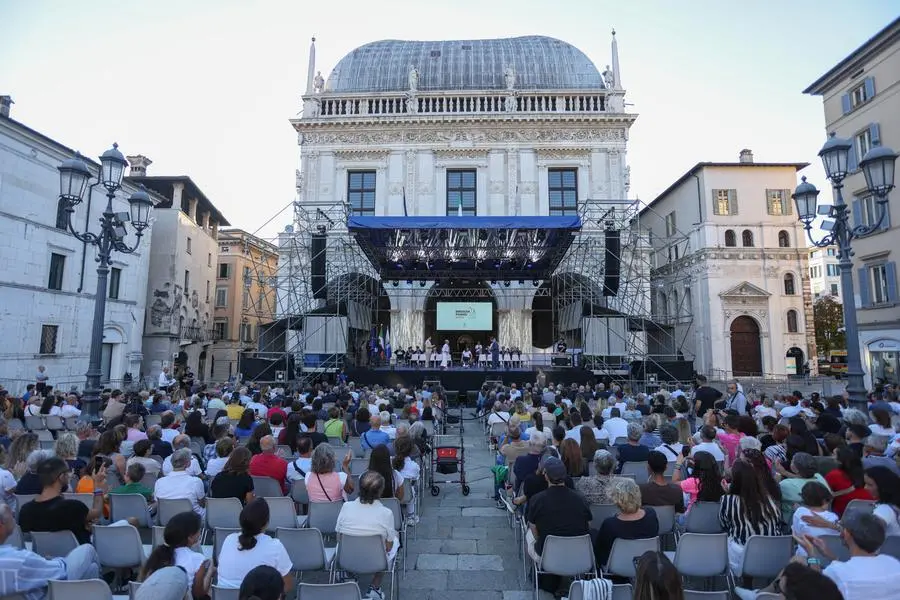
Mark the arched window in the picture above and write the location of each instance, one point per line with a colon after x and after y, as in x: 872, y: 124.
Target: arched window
x: 747, y: 238
x: 792, y: 321
x: 730, y: 238
x: 784, y: 239
x: 789, y: 288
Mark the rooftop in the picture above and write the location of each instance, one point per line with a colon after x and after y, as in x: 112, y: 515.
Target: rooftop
x: 164, y: 185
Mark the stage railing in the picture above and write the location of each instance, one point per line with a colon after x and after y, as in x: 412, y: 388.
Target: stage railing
x: 523, y: 360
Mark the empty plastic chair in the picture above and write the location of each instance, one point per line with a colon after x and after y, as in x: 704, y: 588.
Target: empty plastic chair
x: 703, y: 518
x: 54, y: 423
x: 266, y: 487
x: 363, y: 554
x: 220, y: 593
x: 358, y: 466
x: 701, y: 555
x: 766, y: 555
x: 565, y: 556
x: 282, y: 514
x: 96, y: 589
x: 306, y: 549
x: 122, y: 506
x: 119, y: 547
x: 666, y: 517
x: 891, y: 546
x: 34, y: 423
x: 299, y: 494
x: 223, y: 513
x: 348, y: 590
x: 720, y: 595
x: 323, y: 516
x: 171, y: 507
x: 601, y: 512
x: 638, y: 470
x: 53, y: 544
x: 356, y: 446
x: 623, y: 553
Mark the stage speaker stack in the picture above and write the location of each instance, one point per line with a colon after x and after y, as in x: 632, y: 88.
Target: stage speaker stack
x: 317, y: 265
x: 611, y: 263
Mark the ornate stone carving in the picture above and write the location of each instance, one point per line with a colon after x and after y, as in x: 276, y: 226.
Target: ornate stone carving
x: 460, y: 154
x: 413, y: 78
x: 528, y: 187
x: 396, y: 188
x: 319, y: 83
x: 445, y: 136
x: 298, y: 181
x: 512, y: 165
x: 411, y: 179
x: 361, y: 154
x: 578, y: 154
x: 509, y: 77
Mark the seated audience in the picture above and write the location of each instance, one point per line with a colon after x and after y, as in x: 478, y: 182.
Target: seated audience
x: 143, y: 449
x: 847, y: 482
x: 268, y: 464
x: 803, y: 466
x: 749, y: 508
x: 527, y: 464
x: 699, y: 478
x: 595, y: 488
x: 242, y: 552
x: 262, y: 583
x: 300, y: 466
x: 632, y: 451
x: 380, y: 461
x: 180, y: 484
x: 815, y: 502
x: 656, y: 578
x: 374, y: 437
x: 708, y: 444
x: 161, y: 447
x: 133, y: 476
x: 223, y: 447
x: 323, y: 483
x: 234, y: 480
x: 658, y: 491
x: 182, y: 442
x: 670, y: 446
x: 632, y: 522
x: 181, y: 534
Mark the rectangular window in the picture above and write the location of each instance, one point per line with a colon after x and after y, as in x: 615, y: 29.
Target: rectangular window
x: 188, y: 247
x: 62, y: 215
x: 724, y: 202
x: 670, y: 224
x: 209, y: 259
x: 221, y: 297
x: 115, y: 279
x: 48, y: 339
x: 831, y: 252
x: 245, y: 299
x: 246, y: 274
x: 224, y: 270
x: 187, y: 281
x: 57, y: 270
x: 220, y: 330
x: 862, y: 143
x: 461, y: 193
x: 563, y: 188
x: 778, y: 202
x: 207, y: 291
x: 246, y: 332
x: 878, y: 280
x: 833, y: 270
x: 361, y: 192
x: 834, y: 289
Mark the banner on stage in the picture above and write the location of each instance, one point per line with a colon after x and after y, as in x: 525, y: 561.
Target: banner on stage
x: 465, y: 316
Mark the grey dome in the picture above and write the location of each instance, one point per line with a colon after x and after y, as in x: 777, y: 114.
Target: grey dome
x: 539, y: 63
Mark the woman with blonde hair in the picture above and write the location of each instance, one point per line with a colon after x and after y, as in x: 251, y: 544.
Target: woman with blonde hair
x: 632, y: 522
x: 19, y: 450
x: 66, y: 448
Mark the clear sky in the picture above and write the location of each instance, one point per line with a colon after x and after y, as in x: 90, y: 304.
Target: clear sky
x: 206, y: 87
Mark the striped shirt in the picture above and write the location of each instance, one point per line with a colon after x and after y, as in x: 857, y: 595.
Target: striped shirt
x: 24, y: 572
x: 738, y: 525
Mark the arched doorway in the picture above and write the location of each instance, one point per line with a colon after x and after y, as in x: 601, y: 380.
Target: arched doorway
x: 746, y: 351
x: 799, y: 359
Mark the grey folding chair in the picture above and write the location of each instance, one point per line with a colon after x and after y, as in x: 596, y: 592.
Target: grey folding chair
x: 363, y: 555
x: 701, y: 555
x: 34, y: 423
x: 284, y: 452
x: 149, y: 480
x: 356, y: 446
x: 220, y: 533
x: 354, y: 481
x: 703, y: 517
x: 358, y: 466
x: 22, y: 500
x: 266, y: 487
x: 891, y: 546
x: 399, y: 523
x: 565, y: 556
x: 836, y: 545
x: 86, y: 499
x: 122, y: 506
x: 666, y: 517
x: 53, y: 544
x: 623, y: 553
x: 15, y: 539
x: 306, y: 549
x: 720, y: 595
x: 54, y: 423
x: 621, y: 591
x: 119, y: 547
x: 323, y: 516
x: 299, y: 494
x: 601, y: 512
x: 220, y: 593
x: 282, y: 514
x: 766, y: 555
x: 348, y: 590
x: 171, y: 507
x: 638, y: 470
x: 223, y: 513
x: 133, y: 587
x: 78, y: 590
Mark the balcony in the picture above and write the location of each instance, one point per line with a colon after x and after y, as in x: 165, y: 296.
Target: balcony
x: 191, y: 334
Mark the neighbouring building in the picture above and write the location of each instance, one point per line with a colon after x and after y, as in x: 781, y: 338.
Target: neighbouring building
x: 747, y: 283
x: 48, y: 277
x: 183, y: 260
x: 244, y: 298
x: 862, y: 103
x: 824, y: 273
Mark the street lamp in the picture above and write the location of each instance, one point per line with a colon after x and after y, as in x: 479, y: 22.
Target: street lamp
x: 73, y: 177
x: 878, y: 167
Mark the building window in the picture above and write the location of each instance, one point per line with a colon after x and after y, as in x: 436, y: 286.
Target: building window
x: 831, y: 252
x: 62, y: 214
x: 747, y: 238
x: 246, y: 332
x: 57, y: 269
x: 563, y: 186
x: 220, y: 329
x: 245, y: 299
x: 730, y: 238
x: 207, y: 291
x: 461, y: 193
x: 48, y: 339
x: 833, y: 270
x: 224, y: 270
x: 862, y: 144
x: 209, y: 259
x: 187, y: 281
x: 792, y: 326
x: 188, y: 247
x: 115, y: 279
x: 789, y: 287
x: 670, y: 224
x: 778, y: 202
x: 784, y: 239
x: 246, y: 275
x: 223, y: 249
x: 725, y: 202
x: 834, y: 289
x: 361, y: 192
x: 878, y: 279
x: 221, y: 297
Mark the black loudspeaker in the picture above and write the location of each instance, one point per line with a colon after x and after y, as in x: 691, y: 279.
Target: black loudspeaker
x: 317, y: 265
x: 611, y: 263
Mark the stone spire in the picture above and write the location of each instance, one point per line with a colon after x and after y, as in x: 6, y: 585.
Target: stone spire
x: 311, y: 71
x: 617, y: 75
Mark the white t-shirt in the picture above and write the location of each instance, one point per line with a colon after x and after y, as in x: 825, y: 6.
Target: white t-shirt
x: 68, y: 411
x: 180, y: 485
x: 601, y: 434
x: 190, y: 561
x: 712, y: 448
x: 866, y: 577
x: 234, y: 564
x: 574, y: 434
x: 193, y: 469
x: 616, y: 427
x: 792, y: 411
x: 168, y: 434
x: 532, y: 430
x: 799, y: 528
x: 260, y: 409
x: 357, y: 518
x: 498, y: 417
x: 874, y: 427
x: 305, y: 465
x: 214, y: 466
x: 890, y: 518
x: 410, y: 470
x: 676, y: 448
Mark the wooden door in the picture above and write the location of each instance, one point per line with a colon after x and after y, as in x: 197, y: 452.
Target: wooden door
x: 746, y: 352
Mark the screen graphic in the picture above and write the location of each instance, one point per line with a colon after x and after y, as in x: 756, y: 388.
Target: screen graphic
x: 465, y: 316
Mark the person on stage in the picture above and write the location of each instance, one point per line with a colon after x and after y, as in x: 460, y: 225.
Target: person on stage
x: 478, y: 349
x: 495, y: 353
x: 561, y: 346
x: 429, y: 352
x: 445, y: 354
x: 466, y: 357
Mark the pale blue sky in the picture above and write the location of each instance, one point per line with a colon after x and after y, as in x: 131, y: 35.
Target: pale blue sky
x: 206, y: 87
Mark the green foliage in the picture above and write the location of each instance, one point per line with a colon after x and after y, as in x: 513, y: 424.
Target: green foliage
x: 828, y: 317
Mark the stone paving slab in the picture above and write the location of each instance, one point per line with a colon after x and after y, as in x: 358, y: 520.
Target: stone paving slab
x: 478, y: 511
x: 469, y: 533
x: 483, y: 580
x: 480, y: 562
x: 459, y: 547
x: 437, y: 562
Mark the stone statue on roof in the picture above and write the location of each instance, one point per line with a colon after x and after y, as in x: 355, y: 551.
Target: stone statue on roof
x: 319, y: 83
x: 413, y: 78
x: 509, y: 76
x: 609, y: 78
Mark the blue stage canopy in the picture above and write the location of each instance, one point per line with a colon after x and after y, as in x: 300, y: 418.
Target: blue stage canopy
x: 497, y: 248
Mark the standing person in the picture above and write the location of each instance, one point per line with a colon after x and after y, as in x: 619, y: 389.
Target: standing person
x: 736, y: 399
x: 41, y: 379
x: 705, y: 397
x: 495, y: 353
x: 445, y: 354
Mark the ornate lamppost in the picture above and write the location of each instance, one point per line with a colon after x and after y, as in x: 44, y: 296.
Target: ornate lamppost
x: 73, y: 178
x: 878, y: 167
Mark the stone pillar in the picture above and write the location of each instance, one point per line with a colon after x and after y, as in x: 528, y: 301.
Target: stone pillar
x: 514, y: 314
x: 177, y: 193
x: 204, y: 220
x: 192, y: 209
x: 408, y: 313
x: 214, y: 229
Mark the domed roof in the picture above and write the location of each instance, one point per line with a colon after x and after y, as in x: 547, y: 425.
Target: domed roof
x: 538, y: 62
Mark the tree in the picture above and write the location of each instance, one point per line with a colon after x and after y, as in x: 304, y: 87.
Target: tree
x: 828, y: 318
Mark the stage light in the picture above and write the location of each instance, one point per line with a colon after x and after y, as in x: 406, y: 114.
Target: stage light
x: 506, y: 283
x: 493, y: 282
x: 421, y: 284
x: 409, y: 282
x: 521, y: 282
x: 535, y: 283
x: 395, y: 283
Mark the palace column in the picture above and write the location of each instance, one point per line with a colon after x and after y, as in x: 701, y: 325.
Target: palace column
x: 514, y: 314
x: 407, y: 312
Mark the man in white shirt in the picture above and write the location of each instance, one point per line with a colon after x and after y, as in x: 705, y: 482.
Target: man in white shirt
x: 514, y: 392
x: 179, y: 484
x: 182, y: 442
x: 498, y: 415
x: 167, y: 422
x: 164, y: 380
x: 386, y: 424
x: 70, y: 408
x: 615, y: 425
x: 708, y: 443
x: 736, y: 399
x: 259, y: 408
x: 368, y: 516
x: 794, y: 408
x: 242, y: 394
x: 867, y: 575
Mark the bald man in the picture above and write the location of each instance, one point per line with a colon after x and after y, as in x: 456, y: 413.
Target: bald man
x: 268, y: 463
